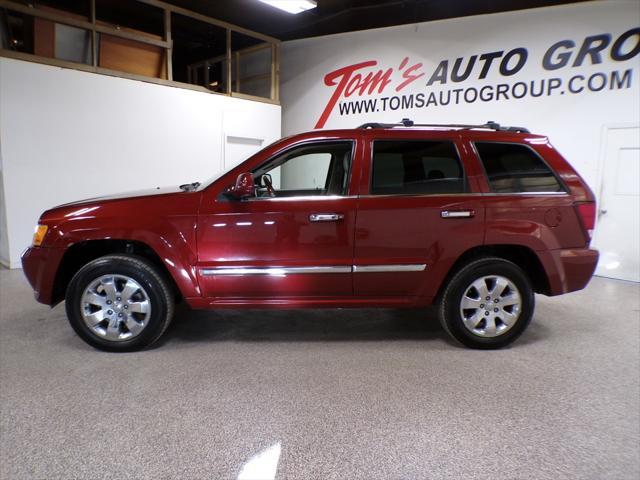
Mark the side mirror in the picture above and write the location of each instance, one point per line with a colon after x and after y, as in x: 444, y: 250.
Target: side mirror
x: 244, y: 187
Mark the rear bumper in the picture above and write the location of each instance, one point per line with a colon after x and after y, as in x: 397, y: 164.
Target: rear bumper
x: 569, y: 270
x: 40, y: 265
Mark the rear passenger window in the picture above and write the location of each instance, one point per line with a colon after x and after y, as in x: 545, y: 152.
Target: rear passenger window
x: 513, y: 168
x: 416, y: 167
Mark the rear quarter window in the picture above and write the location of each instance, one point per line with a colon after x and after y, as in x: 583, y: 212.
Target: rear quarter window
x: 516, y: 168
x: 416, y: 167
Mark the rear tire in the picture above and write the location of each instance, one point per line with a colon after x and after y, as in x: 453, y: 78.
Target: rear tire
x: 487, y: 304
x: 119, y: 303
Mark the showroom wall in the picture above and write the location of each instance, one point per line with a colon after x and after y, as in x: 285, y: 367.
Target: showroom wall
x: 4, y: 235
x: 528, y: 68
x: 570, y: 72
x: 67, y: 135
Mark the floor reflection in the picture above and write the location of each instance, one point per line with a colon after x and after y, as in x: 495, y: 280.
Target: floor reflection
x: 263, y: 465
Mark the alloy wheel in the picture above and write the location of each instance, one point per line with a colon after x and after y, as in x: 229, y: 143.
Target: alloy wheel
x: 115, y: 307
x: 490, y: 306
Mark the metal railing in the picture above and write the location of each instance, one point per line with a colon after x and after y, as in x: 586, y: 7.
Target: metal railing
x: 405, y: 122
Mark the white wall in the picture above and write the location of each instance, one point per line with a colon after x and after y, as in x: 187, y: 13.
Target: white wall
x: 574, y: 122
x: 4, y: 236
x: 67, y: 135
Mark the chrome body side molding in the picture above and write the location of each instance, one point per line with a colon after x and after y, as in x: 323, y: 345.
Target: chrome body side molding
x: 275, y: 270
x: 313, y: 269
x: 417, y: 267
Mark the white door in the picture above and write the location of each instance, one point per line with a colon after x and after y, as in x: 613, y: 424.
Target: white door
x: 237, y: 149
x: 617, y: 234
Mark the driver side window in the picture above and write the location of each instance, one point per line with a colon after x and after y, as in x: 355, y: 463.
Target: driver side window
x: 307, y: 170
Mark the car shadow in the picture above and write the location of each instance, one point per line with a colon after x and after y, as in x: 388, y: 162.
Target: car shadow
x: 304, y: 325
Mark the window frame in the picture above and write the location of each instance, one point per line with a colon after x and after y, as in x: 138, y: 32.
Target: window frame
x: 453, y: 141
x: 564, y: 189
x: 306, y: 144
x: 164, y: 42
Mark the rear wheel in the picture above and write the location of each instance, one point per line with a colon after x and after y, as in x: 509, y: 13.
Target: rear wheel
x: 487, y: 304
x: 119, y: 303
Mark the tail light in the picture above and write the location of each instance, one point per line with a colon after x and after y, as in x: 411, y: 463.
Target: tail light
x: 587, y: 213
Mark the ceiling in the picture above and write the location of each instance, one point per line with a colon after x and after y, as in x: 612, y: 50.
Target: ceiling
x: 336, y: 16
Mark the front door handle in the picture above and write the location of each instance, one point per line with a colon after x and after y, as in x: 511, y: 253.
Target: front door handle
x: 325, y: 217
x: 457, y: 213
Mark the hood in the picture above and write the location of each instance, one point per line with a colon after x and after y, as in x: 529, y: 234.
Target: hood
x: 89, y: 207
x: 121, y: 196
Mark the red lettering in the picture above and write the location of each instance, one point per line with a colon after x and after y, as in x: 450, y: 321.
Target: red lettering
x: 353, y: 85
x: 340, y: 77
x: 408, y: 74
x: 380, y: 80
x: 347, y: 82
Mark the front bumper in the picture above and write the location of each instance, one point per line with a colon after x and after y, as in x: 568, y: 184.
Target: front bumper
x: 569, y: 270
x: 40, y: 265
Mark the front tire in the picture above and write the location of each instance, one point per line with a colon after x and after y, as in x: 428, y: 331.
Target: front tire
x: 119, y: 303
x: 487, y: 304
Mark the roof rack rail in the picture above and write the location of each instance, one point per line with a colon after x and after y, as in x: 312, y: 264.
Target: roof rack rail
x: 405, y: 122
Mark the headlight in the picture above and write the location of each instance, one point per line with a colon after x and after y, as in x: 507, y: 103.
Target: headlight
x: 38, y: 236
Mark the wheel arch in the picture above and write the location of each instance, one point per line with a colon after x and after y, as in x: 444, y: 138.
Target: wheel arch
x: 521, y: 255
x: 79, y: 254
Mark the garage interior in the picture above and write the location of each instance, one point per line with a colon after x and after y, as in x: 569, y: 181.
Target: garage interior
x: 103, y: 96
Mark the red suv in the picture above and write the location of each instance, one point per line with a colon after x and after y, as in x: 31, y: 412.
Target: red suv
x: 473, y: 218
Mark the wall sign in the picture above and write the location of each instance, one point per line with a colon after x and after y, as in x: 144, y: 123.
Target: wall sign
x: 370, y: 87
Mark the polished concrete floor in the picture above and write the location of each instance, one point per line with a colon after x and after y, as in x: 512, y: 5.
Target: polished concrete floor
x: 325, y: 394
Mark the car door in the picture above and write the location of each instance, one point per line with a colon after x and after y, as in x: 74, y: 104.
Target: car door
x: 418, y: 212
x: 294, y: 242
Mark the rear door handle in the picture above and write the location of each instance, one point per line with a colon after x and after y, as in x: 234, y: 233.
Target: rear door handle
x: 326, y: 217
x: 457, y: 213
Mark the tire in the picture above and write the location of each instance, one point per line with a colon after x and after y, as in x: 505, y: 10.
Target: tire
x: 464, y: 306
x: 119, y: 303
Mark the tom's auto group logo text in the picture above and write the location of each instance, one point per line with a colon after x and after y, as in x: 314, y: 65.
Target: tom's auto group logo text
x: 367, y: 87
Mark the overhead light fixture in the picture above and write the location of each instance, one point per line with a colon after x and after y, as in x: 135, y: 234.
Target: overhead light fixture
x: 292, y: 6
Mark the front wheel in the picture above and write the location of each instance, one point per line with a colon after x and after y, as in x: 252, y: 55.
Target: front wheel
x: 119, y: 303
x: 487, y: 304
